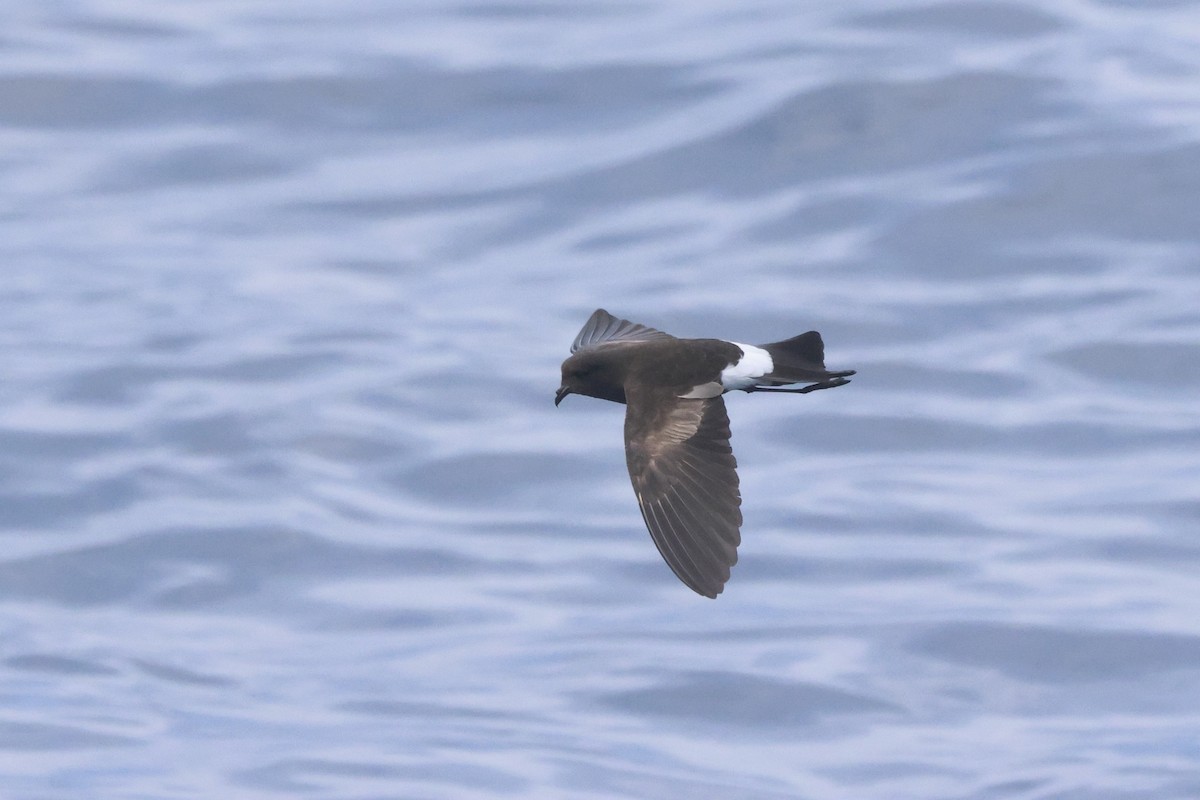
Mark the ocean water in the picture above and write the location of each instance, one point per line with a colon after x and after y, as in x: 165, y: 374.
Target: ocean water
x: 286, y: 508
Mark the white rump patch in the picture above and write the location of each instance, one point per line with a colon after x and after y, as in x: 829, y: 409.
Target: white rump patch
x: 747, y: 370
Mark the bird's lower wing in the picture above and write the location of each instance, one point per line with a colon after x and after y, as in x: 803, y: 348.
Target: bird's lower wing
x: 685, y: 478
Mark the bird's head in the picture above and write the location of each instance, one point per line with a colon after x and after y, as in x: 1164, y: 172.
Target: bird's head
x: 592, y: 373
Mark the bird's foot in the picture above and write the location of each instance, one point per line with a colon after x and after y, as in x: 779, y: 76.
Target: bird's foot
x: 826, y: 384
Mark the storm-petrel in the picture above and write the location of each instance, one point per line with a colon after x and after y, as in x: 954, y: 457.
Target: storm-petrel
x: 677, y: 431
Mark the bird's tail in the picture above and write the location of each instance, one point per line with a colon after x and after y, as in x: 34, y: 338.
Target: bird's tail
x: 801, y: 359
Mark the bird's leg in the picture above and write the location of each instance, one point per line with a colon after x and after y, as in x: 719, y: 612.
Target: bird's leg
x: 804, y: 390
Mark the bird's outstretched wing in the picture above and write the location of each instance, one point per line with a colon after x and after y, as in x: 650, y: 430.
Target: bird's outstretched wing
x: 603, y: 327
x: 684, y: 475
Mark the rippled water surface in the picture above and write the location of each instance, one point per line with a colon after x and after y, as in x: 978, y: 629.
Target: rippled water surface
x: 287, y: 510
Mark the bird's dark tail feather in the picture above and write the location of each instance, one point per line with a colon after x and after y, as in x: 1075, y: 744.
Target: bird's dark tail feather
x: 801, y: 359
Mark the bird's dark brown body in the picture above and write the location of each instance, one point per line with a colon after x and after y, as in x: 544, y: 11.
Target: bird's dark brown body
x: 602, y: 372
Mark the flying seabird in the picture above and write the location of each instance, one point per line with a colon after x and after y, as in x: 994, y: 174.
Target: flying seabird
x: 676, y: 429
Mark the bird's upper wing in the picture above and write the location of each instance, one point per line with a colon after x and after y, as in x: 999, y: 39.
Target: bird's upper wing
x: 604, y: 327
x: 684, y: 475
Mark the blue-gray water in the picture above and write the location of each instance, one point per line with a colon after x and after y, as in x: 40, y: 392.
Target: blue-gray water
x: 286, y: 508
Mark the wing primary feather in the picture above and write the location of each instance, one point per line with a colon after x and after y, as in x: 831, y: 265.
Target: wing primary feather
x: 706, y: 534
x: 670, y: 546
x: 689, y: 530
x: 701, y: 501
x: 704, y: 489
